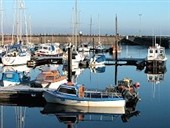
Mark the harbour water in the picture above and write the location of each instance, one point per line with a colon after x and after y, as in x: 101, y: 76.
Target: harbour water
x: 152, y: 111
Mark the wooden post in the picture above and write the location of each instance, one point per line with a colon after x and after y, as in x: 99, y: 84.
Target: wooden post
x: 116, y: 43
x: 69, y: 64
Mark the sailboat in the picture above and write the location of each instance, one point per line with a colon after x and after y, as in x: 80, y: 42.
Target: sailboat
x: 16, y: 54
x: 115, y: 48
x: 99, y: 48
x: 77, y: 57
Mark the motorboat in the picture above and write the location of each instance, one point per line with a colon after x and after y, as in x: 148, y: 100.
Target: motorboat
x: 49, y: 79
x: 156, y: 55
x: 76, y: 95
x: 48, y: 49
x: 13, y: 78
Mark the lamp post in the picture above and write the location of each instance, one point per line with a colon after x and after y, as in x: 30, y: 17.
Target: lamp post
x: 80, y: 34
x: 140, y: 15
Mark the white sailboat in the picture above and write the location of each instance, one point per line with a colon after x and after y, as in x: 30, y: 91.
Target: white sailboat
x: 77, y: 57
x: 17, y: 54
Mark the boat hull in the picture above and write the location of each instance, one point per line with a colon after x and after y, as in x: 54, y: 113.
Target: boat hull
x: 89, y: 102
x: 10, y: 83
x: 19, y: 60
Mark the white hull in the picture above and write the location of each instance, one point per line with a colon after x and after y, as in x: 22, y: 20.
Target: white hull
x: 84, y: 49
x: 18, y: 60
x: 9, y: 83
x: 88, y: 103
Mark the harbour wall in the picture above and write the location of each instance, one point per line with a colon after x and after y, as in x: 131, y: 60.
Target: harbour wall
x: 107, y: 39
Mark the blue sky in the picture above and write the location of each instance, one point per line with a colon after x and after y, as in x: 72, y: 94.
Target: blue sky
x: 55, y: 16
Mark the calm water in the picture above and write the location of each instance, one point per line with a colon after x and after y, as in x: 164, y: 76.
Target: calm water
x: 154, y: 105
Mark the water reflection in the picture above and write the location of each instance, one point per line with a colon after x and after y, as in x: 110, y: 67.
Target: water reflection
x: 71, y: 115
x: 98, y: 69
x: 16, y: 111
x: 155, y: 75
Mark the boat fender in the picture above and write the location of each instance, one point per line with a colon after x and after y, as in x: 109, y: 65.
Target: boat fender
x: 137, y: 85
x: 81, y: 91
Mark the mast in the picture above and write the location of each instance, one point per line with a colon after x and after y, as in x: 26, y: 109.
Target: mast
x: 99, y: 42
x: 116, y: 43
x: 20, y: 18
x: 90, y: 28
x: 2, y: 23
x: 76, y: 24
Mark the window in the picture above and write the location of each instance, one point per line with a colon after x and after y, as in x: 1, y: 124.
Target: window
x: 151, y: 51
x: 49, y: 78
x: 8, y: 75
x: 67, y: 90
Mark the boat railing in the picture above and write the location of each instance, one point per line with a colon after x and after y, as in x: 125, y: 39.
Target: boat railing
x: 100, y: 94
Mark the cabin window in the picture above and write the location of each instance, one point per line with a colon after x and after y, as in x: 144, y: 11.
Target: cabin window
x: 53, y: 48
x: 68, y: 90
x: 46, y: 48
x: 161, y: 51
x: 156, y: 51
x: 150, y: 78
x: 151, y: 51
x: 49, y: 78
x: 8, y: 75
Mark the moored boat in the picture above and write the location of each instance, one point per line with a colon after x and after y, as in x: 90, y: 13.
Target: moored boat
x: 12, y: 78
x: 156, y: 56
x: 49, y: 79
x: 76, y: 95
x: 15, y: 55
x: 97, y: 60
x: 84, y: 47
x: 48, y: 49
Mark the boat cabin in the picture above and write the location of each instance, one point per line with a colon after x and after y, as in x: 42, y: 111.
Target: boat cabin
x: 12, y: 76
x: 48, y: 49
x: 76, y: 90
x: 49, y: 76
x: 156, y: 52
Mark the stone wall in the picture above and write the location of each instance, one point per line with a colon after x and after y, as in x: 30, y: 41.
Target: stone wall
x: 63, y: 39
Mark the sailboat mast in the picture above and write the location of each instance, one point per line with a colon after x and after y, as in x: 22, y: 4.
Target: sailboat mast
x: 2, y: 23
x: 19, y: 18
x: 76, y: 24
x: 99, y: 30
x: 90, y: 28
